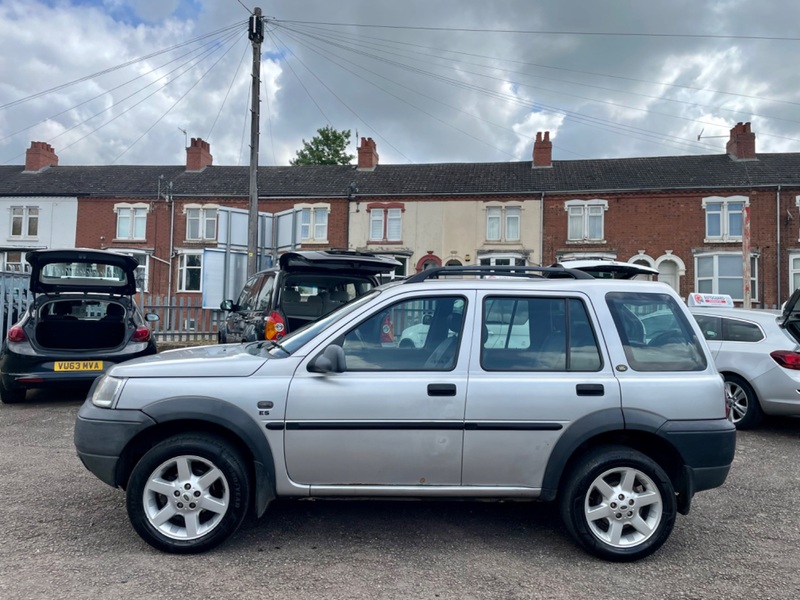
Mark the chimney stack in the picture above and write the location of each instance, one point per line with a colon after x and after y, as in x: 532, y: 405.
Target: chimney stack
x: 198, y: 155
x: 742, y: 145
x: 39, y: 156
x: 542, y: 151
x: 367, y: 155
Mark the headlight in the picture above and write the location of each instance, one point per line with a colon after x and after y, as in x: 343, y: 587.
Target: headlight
x: 106, y: 391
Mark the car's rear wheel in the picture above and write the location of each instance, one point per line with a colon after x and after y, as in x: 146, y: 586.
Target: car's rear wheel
x: 188, y: 494
x: 11, y: 396
x: 745, y: 410
x: 618, y: 504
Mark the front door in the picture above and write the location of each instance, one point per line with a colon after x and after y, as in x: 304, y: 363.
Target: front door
x: 396, y: 415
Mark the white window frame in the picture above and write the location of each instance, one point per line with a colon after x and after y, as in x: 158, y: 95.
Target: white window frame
x: 585, y: 210
x: 142, y: 271
x: 501, y: 217
x: 26, y: 216
x: 382, y: 219
x: 183, y: 270
x: 133, y: 212
x: 511, y: 257
x: 715, y: 277
x: 205, y: 215
x: 794, y: 272
x: 312, y: 223
x: 399, y: 272
x: 20, y: 266
x: 726, y: 206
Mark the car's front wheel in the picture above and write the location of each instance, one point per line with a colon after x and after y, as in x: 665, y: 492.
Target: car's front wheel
x: 745, y: 411
x: 618, y: 504
x: 188, y: 494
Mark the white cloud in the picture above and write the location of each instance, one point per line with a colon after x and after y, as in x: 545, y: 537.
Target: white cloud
x: 423, y: 95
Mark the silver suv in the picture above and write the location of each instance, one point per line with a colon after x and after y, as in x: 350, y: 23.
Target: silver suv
x: 519, y: 386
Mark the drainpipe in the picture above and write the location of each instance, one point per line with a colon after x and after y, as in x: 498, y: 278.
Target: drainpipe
x: 171, y: 249
x: 778, y: 244
x: 541, y: 230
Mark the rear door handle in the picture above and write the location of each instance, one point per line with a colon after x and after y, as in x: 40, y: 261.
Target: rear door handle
x: 590, y: 389
x: 441, y: 389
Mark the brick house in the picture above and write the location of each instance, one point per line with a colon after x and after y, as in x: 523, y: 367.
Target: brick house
x: 685, y: 215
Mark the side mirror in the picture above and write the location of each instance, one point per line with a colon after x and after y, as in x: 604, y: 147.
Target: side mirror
x: 151, y: 317
x: 226, y: 305
x: 332, y: 360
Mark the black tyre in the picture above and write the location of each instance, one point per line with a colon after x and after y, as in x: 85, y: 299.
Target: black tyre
x: 745, y: 410
x: 11, y: 396
x: 188, y: 494
x: 618, y: 504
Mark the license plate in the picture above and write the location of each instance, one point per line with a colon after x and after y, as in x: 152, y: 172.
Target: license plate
x: 79, y: 365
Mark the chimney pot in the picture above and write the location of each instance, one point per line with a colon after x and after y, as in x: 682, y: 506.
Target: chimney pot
x: 367, y: 155
x: 39, y: 156
x: 542, y: 151
x: 198, y: 155
x: 742, y: 143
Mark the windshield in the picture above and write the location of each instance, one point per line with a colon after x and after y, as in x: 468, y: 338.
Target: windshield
x: 299, y: 337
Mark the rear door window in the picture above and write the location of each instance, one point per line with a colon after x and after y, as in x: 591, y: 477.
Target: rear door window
x: 537, y: 334
x: 674, y: 348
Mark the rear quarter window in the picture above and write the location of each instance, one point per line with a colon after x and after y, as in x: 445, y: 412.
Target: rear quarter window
x: 734, y: 330
x: 671, y: 346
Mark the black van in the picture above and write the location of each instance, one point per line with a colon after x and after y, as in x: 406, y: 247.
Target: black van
x: 303, y: 287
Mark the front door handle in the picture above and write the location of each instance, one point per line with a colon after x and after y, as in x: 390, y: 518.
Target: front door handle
x: 441, y: 389
x: 590, y: 389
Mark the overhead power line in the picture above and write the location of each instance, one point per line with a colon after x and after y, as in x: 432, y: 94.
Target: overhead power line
x: 550, y: 32
x: 617, y: 128
x: 239, y: 25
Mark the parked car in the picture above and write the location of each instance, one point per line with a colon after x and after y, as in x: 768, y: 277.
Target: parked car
x: 758, y: 354
x: 620, y: 433
x: 303, y: 287
x: 83, y: 319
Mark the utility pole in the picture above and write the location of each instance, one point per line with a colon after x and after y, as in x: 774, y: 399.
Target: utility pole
x: 256, y: 34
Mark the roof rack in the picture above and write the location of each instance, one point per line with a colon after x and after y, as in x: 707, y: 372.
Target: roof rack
x: 494, y: 271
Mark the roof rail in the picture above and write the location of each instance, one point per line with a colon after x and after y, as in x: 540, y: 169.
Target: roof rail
x: 494, y: 271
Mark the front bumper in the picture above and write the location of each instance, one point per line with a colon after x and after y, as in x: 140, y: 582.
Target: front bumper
x: 101, y: 436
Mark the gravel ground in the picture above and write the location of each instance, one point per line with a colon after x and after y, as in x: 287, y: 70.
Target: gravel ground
x: 66, y: 535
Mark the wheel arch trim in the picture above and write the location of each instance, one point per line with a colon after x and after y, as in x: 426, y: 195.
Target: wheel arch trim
x: 235, y: 421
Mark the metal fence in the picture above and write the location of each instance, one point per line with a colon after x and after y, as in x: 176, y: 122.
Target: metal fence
x: 180, y: 320
x: 14, y: 297
x: 183, y: 319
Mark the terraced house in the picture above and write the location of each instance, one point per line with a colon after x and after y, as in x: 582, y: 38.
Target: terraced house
x: 694, y: 218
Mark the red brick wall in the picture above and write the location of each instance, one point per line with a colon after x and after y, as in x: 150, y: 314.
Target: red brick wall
x: 97, y: 225
x: 659, y: 221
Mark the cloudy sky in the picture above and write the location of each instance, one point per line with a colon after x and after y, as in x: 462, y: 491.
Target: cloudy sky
x: 127, y: 82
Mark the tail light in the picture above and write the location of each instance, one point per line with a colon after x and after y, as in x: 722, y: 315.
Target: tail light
x: 786, y: 359
x: 142, y: 334
x: 275, y: 326
x: 16, y: 334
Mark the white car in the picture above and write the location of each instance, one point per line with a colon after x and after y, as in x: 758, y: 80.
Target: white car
x: 757, y: 353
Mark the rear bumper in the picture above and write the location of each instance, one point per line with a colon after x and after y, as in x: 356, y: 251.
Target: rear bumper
x: 24, y: 371
x: 706, y: 448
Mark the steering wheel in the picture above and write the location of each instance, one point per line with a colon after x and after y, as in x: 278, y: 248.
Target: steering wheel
x: 667, y: 337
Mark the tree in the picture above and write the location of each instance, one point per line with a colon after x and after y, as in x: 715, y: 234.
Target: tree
x: 329, y: 147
